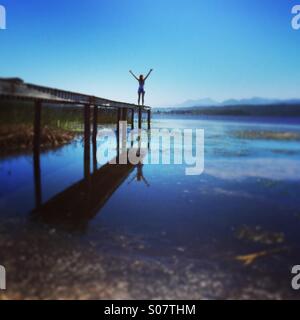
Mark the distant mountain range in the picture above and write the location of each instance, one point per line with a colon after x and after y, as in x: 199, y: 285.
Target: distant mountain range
x: 234, y: 107
x: 207, y: 102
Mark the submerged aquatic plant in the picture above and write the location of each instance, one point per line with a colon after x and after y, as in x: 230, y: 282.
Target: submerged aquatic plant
x: 258, y: 235
x: 249, y: 259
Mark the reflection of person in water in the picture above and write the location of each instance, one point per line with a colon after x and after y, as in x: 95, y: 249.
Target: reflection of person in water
x: 140, y: 176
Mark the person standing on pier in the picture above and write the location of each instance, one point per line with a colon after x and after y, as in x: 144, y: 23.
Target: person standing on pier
x: 141, y: 91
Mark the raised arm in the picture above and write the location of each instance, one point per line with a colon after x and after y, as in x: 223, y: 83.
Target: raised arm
x: 134, y: 75
x: 148, y: 74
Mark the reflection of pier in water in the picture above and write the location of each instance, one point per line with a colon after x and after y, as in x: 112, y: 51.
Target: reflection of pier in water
x: 76, y: 205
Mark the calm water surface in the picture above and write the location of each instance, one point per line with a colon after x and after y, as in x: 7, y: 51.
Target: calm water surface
x: 168, y: 235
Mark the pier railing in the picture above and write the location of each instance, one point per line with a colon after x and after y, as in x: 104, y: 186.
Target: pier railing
x: 15, y: 88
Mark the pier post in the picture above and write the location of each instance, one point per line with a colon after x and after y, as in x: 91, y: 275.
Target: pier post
x: 87, y: 136
x: 140, y: 117
x: 95, y: 122
x: 36, y: 153
x: 132, y: 119
x: 123, y: 137
x: 149, y: 119
x: 95, y: 132
x: 118, y: 133
x: 125, y: 114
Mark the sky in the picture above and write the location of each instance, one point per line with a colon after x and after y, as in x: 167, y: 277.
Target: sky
x: 219, y: 49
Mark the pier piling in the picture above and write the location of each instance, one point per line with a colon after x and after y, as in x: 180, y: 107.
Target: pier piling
x: 95, y: 132
x: 149, y: 119
x: 140, y: 117
x: 36, y: 152
x: 132, y: 119
x: 87, y: 136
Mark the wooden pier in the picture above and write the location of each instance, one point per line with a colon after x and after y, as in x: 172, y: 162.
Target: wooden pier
x: 16, y: 89
x: 97, y: 186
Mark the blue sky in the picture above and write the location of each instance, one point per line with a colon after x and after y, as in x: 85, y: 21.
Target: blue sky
x: 215, y: 48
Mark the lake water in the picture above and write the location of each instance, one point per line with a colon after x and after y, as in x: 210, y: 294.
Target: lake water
x: 166, y: 235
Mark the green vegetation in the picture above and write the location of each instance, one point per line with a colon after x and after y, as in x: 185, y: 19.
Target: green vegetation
x: 63, y: 117
x: 267, y: 135
x: 60, y: 124
x: 274, y: 110
x: 19, y: 138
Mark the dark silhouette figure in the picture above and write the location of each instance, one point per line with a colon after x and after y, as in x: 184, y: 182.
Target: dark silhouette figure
x: 139, y: 175
x: 141, y: 91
